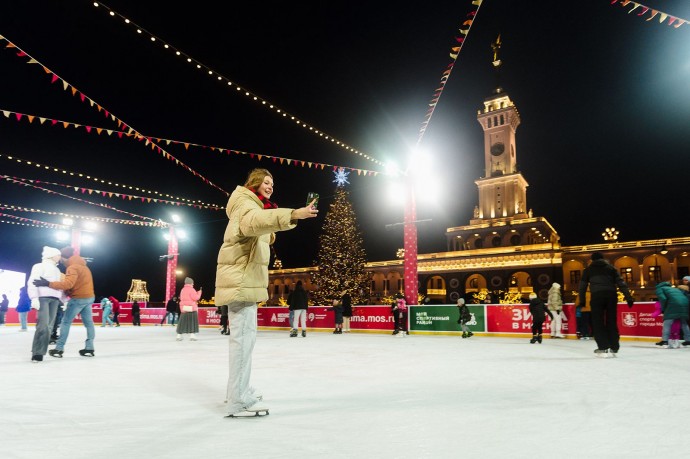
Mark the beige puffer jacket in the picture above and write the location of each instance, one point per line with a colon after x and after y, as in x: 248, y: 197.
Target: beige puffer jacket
x: 242, y: 272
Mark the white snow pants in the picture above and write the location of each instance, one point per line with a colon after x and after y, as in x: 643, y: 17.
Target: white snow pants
x: 300, y: 319
x: 556, y: 324
x: 243, y: 325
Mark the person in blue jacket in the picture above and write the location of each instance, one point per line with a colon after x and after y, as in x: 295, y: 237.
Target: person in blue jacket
x: 23, y: 308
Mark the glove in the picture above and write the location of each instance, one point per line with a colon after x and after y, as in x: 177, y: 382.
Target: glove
x: 41, y: 282
x: 35, y: 304
x: 631, y: 302
x: 63, y: 306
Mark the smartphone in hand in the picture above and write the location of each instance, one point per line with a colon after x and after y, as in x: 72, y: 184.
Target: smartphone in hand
x: 311, y: 196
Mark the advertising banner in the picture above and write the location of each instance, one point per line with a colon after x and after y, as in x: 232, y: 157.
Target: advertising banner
x: 491, y: 318
x: 444, y: 318
x: 363, y: 317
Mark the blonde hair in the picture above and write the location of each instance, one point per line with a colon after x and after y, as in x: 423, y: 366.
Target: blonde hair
x: 256, y: 178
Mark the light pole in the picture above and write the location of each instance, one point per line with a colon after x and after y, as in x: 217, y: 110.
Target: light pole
x: 410, y: 245
x: 173, y: 253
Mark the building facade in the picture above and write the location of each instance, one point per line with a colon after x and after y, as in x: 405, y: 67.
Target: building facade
x: 505, y: 252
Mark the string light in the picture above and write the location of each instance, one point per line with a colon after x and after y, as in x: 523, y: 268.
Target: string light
x: 29, y: 184
x: 19, y: 116
x: 100, y: 180
x: 121, y: 124
x: 157, y: 223
x: 220, y: 77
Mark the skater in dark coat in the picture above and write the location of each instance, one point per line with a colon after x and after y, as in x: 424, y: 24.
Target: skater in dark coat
x: 603, y: 280
x: 223, y: 312
x: 298, y: 300
x: 399, y: 310
x: 464, y: 316
x: 539, y: 311
x: 136, y: 314
x: 347, y: 311
x: 338, y: 310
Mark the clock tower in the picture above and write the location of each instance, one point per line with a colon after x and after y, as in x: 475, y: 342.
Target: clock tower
x: 502, y: 190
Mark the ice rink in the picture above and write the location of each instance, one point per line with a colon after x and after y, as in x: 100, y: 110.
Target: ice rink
x: 357, y: 395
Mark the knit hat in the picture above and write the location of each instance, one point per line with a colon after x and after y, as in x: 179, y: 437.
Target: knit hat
x: 686, y: 278
x: 67, y: 252
x: 188, y: 280
x: 532, y: 296
x: 597, y: 256
x: 556, y: 285
x: 49, y: 252
x: 461, y: 301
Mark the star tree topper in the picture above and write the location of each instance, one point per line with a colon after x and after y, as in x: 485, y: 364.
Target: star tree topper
x: 340, y: 176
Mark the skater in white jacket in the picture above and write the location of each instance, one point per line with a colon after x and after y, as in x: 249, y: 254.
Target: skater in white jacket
x: 556, y: 308
x: 45, y: 299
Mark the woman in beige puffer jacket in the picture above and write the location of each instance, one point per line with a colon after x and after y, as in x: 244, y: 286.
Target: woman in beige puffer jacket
x: 242, y: 277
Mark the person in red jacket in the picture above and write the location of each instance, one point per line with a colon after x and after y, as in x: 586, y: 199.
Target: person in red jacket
x: 115, y: 310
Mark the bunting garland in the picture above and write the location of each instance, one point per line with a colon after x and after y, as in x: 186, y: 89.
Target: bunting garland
x: 24, y: 182
x: 157, y: 223
x: 89, y: 177
x: 110, y: 194
x: 219, y: 77
x: 29, y: 222
x: 121, y: 124
x: 18, y: 116
x: 641, y: 9
x: 454, y: 52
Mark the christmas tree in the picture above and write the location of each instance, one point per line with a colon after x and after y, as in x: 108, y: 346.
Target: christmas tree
x: 341, y: 256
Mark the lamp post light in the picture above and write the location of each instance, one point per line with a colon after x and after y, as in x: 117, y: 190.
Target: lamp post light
x: 76, y: 235
x: 610, y: 234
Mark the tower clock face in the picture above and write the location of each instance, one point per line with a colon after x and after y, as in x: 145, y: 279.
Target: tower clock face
x: 497, y: 149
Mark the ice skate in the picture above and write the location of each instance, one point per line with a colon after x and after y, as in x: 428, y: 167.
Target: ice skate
x: 539, y: 339
x: 603, y: 353
x: 533, y: 340
x: 36, y: 358
x: 55, y: 353
x: 662, y: 343
x: 179, y: 337
x: 304, y: 334
x: 86, y: 353
x: 192, y: 337
x: 293, y: 333
x: 258, y: 409
x: 464, y: 334
x: 470, y: 334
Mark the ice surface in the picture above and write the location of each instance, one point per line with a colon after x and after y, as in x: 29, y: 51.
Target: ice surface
x: 354, y: 395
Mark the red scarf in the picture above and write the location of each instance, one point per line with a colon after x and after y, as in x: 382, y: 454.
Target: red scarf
x: 267, y: 204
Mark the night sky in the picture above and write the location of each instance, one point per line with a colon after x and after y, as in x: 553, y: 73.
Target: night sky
x: 603, y: 94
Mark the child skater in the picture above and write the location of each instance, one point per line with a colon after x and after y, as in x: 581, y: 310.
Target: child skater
x: 538, y: 310
x: 674, y: 336
x: 465, y: 316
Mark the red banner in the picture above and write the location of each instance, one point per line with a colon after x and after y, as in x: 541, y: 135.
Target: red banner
x: 363, y: 317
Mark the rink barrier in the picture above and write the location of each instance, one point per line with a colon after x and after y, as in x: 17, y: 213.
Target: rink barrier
x: 487, y: 319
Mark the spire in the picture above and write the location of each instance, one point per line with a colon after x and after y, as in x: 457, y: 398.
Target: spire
x: 496, y: 47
